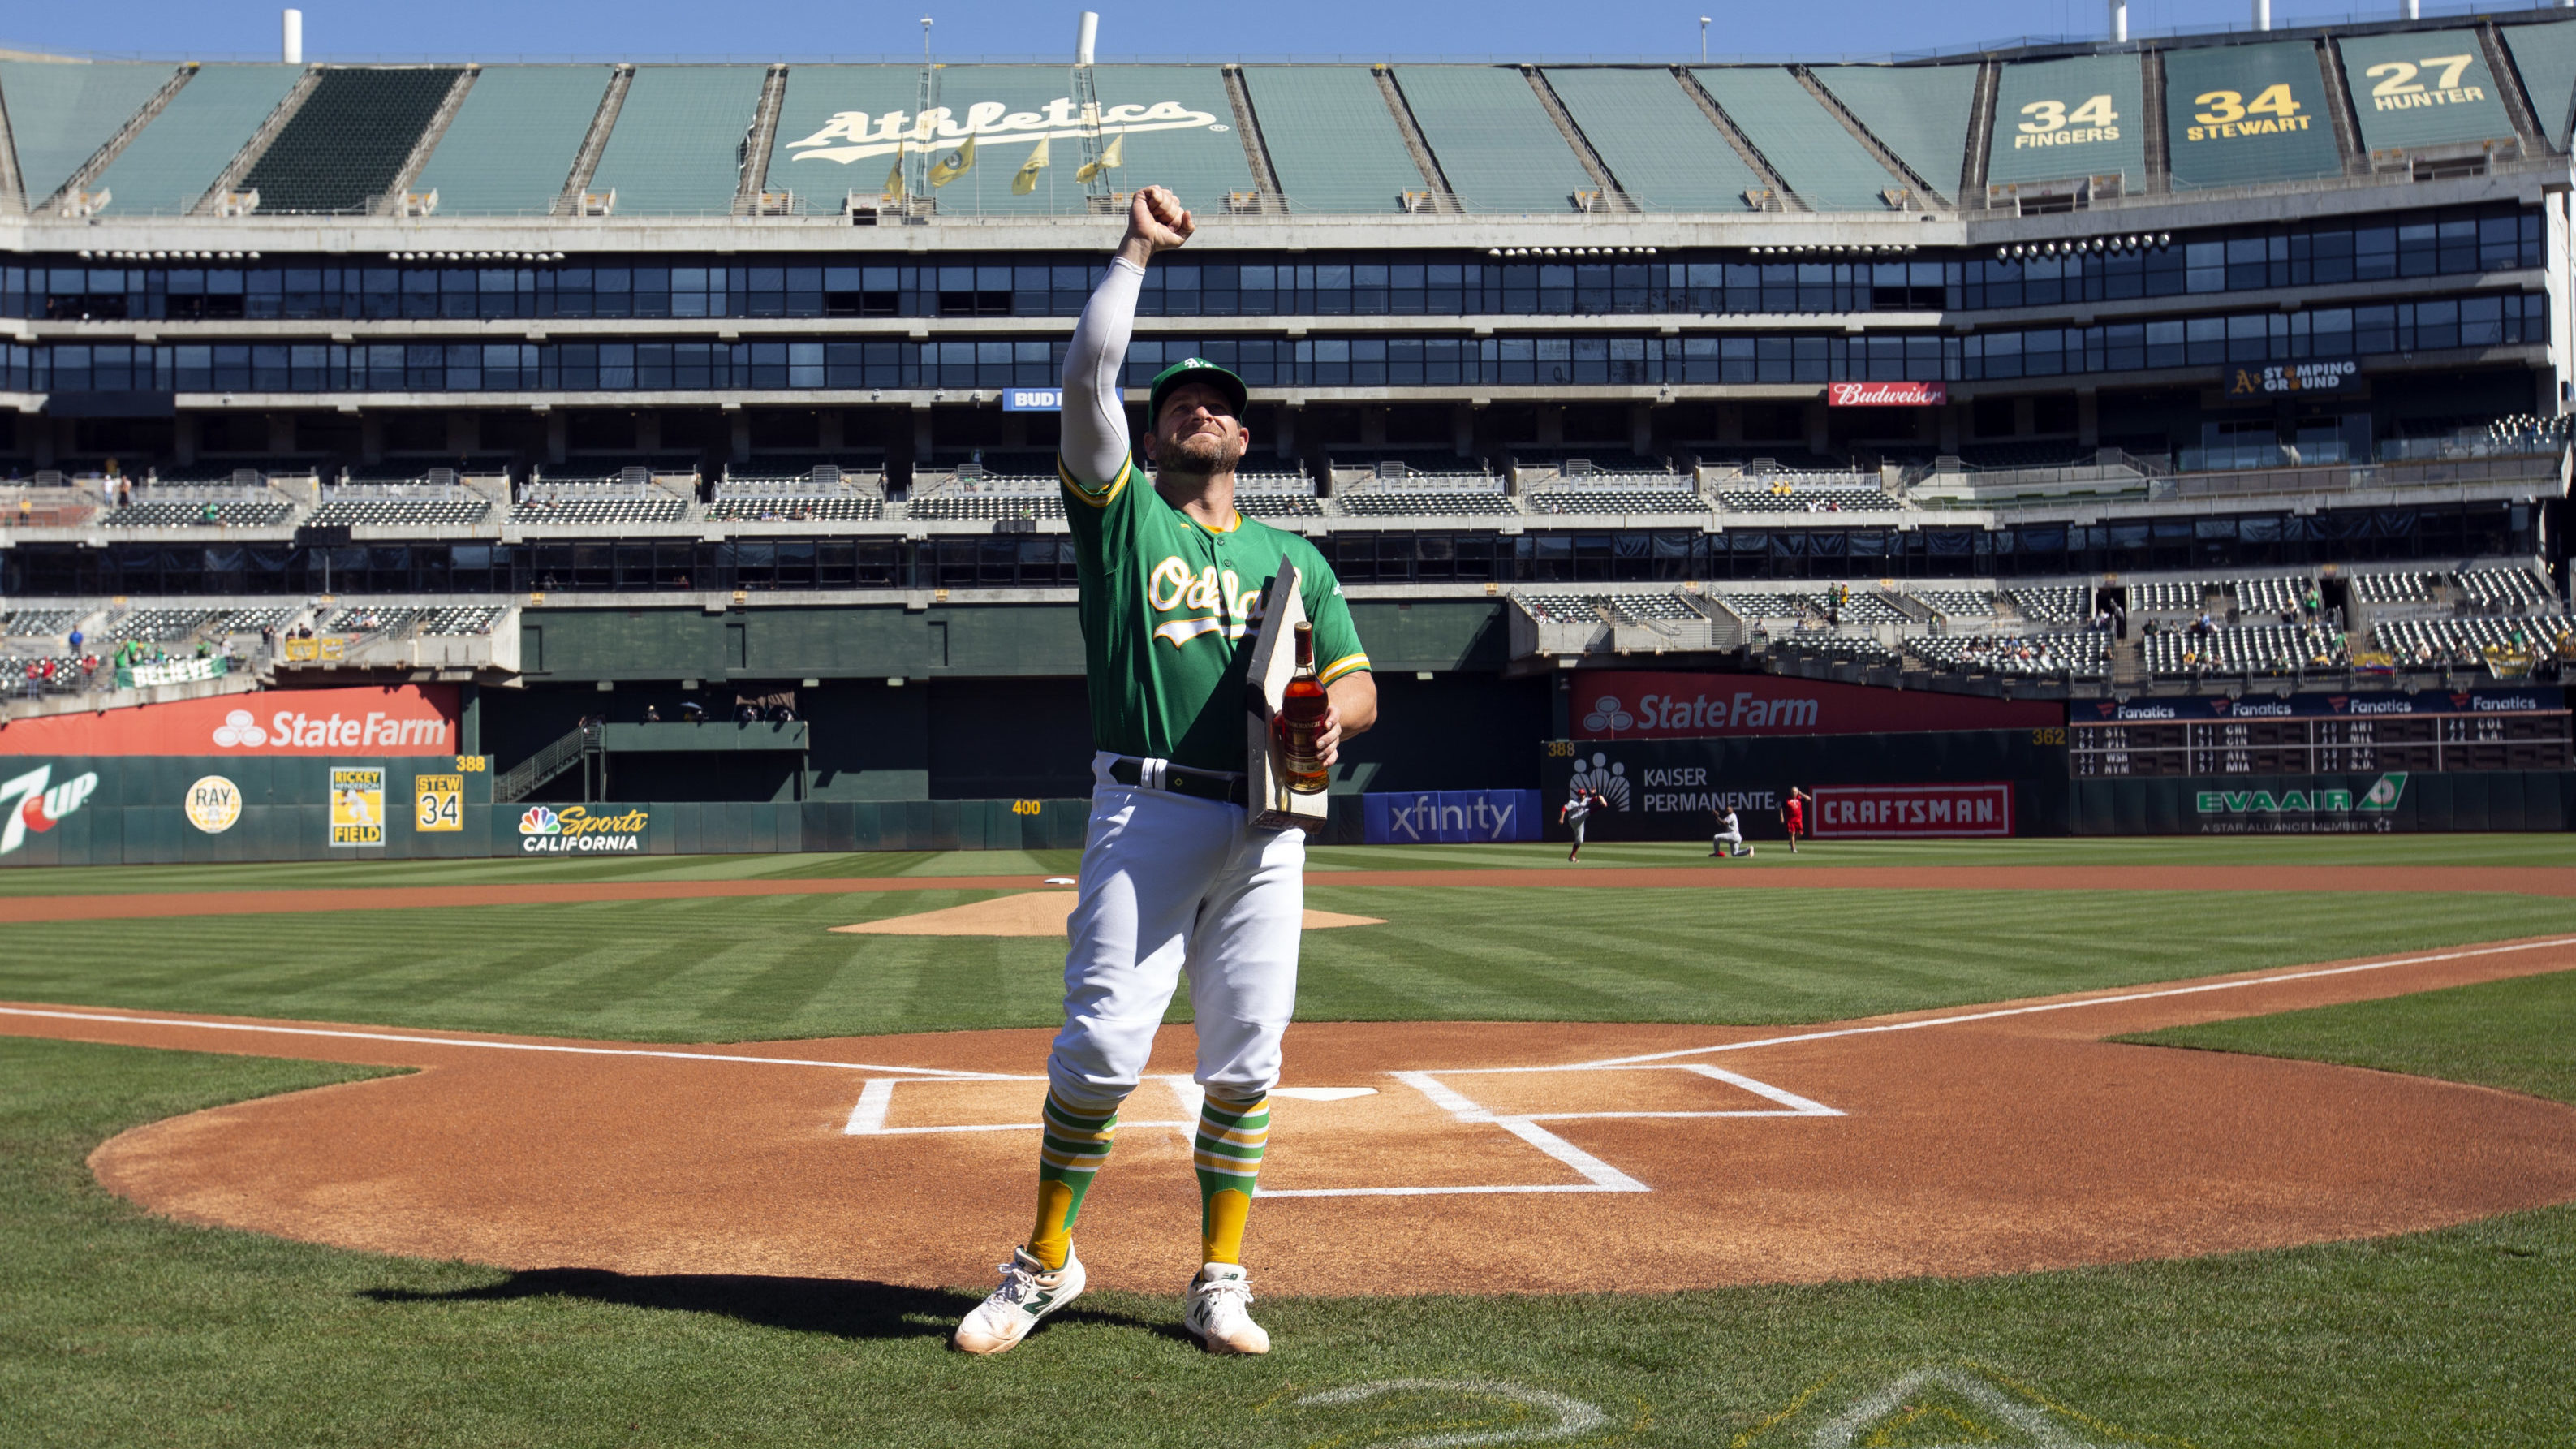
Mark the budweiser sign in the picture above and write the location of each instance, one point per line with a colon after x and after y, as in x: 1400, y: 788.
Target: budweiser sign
x: 1886, y: 394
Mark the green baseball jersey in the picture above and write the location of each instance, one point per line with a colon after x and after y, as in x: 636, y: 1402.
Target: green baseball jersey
x: 1169, y: 610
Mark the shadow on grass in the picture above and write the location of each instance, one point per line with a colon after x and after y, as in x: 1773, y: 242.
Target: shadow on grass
x: 841, y: 1307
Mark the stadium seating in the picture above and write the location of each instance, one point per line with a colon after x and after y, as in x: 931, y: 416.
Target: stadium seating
x: 2052, y: 604
x: 2394, y: 588
x: 1679, y: 498
x: 460, y: 622
x: 1666, y: 153
x: 512, y: 143
x: 343, y: 148
x: 2176, y: 596
x: 1819, y: 160
x: 251, y: 621
x: 1998, y: 457
x: 1868, y: 653
x: 64, y: 676
x: 158, y: 626
x: 1783, y: 498
x: 598, y: 512
x: 831, y: 508
x: 2271, y: 595
x: 228, y: 513
x: 1763, y: 604
x: 676, y: 147
x: 1920, y: 112
x: 1493, y: 139
x: 977, y: 505
x: 168, y: 167
x: 2444, y: 641
x: 366, y: 619
x: 2085, y: 655
x: 1859, y: 607
x: 61, y: 114
x: 1383, y: 502
x: 37, y: 623
x: 1560, y: 608
x: 2245, y: 650
x: 398, y: 512
x: 1956, y: 603
x: 1331, y: 139
x: 2506, y: 588
x: 1638, y: 608
x: 1276, y: 495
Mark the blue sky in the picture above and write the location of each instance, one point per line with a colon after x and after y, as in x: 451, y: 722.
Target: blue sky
x: 1130, y: 29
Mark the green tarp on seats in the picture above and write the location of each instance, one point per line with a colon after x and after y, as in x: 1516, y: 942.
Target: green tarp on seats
x: 675, y: 149
x: 2237, y: 115
x: 1802, y: 140
x: 2422, y: 88
x: 1665, y: 151
x: 510, y: 148
x: 1497, y: 145
x: 60, y: 114
x: 2058, y: 119
x: 166, y: 169
x: 2546, y: 56
x: 1920, y: 112
x: 1331, y: 138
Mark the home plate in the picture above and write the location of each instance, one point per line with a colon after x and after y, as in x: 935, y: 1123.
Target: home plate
x: 1032, y: 913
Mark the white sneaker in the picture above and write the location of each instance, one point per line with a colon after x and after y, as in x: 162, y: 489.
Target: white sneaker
x: 1220, y: 1303
x: 1028, y: 1293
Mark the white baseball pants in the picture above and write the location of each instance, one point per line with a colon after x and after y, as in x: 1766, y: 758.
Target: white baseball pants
x: 1172, y: 883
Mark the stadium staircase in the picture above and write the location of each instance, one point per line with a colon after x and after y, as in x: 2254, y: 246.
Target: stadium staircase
x: 2128, y: 664
x: 523, y: 779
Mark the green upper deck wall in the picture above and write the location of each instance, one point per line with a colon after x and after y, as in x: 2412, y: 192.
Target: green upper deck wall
x: 2546, y: 56
x: 1665, y: 151
x: 1803, y: 141
x: 2236, y: 115
x: 2422, y: 88
x: 1497, y: 145
x: 677, y: 145
x: 841, y: 128
x: 1921, y: 113
x: 60, y: 114
x: 167, y: 168
x: 2064, y: 118
x: 510, y: 148
x: 1331, y: 138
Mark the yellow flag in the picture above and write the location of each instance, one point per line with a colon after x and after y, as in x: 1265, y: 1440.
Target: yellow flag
x: 894, y: 178
x: 1109, y: 159
x: 1027, y: 180
x: 963, y: 161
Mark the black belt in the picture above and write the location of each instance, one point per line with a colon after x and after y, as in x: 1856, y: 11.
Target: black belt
x: 1202, y: 784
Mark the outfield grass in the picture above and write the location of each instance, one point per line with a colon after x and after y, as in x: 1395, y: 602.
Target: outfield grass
x: 117, y: 1329
x: 729, y: 969
x: 2468, y: 850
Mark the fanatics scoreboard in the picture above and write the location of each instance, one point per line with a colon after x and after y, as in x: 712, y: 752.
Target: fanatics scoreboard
x: 2317, y: 734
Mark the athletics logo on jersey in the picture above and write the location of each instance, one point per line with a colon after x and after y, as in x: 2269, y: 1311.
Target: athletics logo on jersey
x: 1232, y: 608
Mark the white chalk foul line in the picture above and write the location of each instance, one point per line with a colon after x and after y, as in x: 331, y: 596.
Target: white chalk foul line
x: 2273, y: 980
x: 918, y: 1073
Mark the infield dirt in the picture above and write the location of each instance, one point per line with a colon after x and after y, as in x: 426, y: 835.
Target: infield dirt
x: 1986, y: 1140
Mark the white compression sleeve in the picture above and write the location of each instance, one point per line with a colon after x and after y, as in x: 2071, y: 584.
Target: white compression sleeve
x: 1095, y: 415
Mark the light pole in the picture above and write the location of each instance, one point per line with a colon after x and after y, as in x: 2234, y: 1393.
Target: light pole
x: 1703, y: 40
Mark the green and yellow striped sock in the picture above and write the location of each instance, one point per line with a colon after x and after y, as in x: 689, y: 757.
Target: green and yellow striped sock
x: 1071, y: 1147
x: 1231, y: 1138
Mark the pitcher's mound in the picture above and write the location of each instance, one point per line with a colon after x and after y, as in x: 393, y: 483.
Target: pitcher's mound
x: 1033, y: 913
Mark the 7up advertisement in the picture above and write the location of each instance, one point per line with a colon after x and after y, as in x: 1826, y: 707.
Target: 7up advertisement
x: 2318, y: 808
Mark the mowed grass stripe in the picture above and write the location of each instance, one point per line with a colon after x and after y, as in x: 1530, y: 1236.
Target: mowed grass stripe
x: 718, y: 969
x: 1323, y: 860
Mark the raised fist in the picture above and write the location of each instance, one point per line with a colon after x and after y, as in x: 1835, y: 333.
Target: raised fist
x: 1157, y: 218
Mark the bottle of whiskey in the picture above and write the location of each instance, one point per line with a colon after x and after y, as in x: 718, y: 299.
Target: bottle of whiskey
x: 1301, y: 721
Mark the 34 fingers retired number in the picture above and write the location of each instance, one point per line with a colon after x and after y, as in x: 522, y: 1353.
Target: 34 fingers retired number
x: 2047, y: 116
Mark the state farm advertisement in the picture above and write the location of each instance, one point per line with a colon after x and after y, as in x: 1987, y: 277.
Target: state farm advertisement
x: 1617, y: 705
x: 1911, y: 812
x: 403, y: 719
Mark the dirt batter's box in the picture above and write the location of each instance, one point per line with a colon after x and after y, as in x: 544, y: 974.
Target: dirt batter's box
x: 1443, y: 1139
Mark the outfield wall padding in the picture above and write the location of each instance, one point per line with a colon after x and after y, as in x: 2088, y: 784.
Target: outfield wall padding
x: 1667, y: 789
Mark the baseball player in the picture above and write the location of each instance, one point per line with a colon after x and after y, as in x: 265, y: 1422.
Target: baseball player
x: 1730, y: 834
x: 1793, y: 815
x: 1173, y: 877
x: 1576, y: 809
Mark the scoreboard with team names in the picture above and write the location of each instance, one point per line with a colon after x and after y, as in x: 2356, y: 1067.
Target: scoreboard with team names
x: 2310, y: 734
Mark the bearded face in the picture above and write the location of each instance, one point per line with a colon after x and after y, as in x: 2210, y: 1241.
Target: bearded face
x: 1198, y: 433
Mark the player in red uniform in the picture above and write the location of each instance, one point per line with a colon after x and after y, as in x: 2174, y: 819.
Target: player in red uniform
x: 1793, y: 814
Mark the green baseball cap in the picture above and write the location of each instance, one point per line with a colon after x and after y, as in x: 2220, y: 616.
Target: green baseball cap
x: 1198, y: 370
